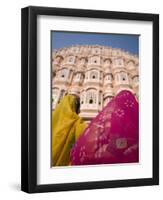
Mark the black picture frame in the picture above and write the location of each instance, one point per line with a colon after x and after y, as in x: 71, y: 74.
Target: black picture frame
x: 29, y: 99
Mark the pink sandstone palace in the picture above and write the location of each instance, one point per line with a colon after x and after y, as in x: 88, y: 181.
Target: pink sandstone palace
x: 95, y: 73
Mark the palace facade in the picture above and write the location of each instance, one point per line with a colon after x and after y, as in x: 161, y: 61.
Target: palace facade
x: 95, y: 73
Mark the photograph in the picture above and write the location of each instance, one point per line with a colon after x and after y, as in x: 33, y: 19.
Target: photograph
x: 90, y: 99
x: 94, y: 98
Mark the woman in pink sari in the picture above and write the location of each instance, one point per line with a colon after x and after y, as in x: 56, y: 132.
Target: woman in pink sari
x: 112, y: 136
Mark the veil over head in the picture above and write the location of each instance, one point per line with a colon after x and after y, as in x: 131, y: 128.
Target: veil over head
x: 112, y: 136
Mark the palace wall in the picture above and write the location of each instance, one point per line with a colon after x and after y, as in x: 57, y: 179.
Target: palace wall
x: 95, y: 73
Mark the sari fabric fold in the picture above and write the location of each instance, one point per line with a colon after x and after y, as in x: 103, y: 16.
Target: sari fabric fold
x: 67, y: 126
x: 112, y: 136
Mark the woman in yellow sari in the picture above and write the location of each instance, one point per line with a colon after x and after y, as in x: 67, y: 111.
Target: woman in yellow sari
x: 67, y: 126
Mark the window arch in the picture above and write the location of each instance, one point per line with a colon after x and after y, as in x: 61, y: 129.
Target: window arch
x: 136, y: 79
x: 91, y: 97
x: 123, y: 76
x: 131, y: 63
x: 58, y: 59
x: 82, y: 61
x: 91, y: 101
x: 100, y: 98
x: 64, y: 73
x: 108, y: 77
x: 107, y: 62
x: 119, y: 61
x: 93, y: 75
x: 71, y: 59
x: 77, y: 76
x: 96, y: 50
x: 95, y: 60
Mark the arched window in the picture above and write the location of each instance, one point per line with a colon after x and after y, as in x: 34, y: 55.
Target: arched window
x: 59, y: 59
x: 91, y: 101
x: 100, y: 98
x: 64, y: 73
x: 119, y: 62
x: 95, y: 60
x: 71, y: 59
x: 94, y: 75
x: 136, y: 79
x: 130, y: 64
x: 91, y: 97
x: 124, y: 76
x: 77, y: 77
x: 107, y: 62
x: 108, y: 77
x: 96, y: 50
x: 82, y: 61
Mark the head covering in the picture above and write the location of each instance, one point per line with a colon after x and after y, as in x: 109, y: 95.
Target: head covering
x: 112, y: 136
x: 67, y: 126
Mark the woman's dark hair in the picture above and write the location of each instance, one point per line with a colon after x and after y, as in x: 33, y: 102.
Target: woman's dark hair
x: 77, y: 102
x: 77, y: 105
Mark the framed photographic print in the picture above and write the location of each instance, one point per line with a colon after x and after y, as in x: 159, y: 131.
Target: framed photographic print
x: 90, y: 99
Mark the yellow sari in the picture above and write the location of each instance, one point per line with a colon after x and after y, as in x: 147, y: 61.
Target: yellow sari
x: 67, y: 126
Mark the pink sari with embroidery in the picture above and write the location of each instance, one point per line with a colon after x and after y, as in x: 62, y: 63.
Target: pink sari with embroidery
x: 112, y: 136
